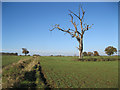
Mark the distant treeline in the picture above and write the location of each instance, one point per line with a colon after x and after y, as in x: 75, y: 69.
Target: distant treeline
x: 3, y: 53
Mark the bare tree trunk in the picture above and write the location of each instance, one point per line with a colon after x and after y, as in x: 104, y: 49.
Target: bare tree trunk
x: 80, y: 48
x: 79, y: 53
x: 80, y: 56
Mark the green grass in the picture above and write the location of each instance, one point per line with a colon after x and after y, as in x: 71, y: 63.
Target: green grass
x: 13, y: 70
x: 6, y: 59
x: 66, y: 72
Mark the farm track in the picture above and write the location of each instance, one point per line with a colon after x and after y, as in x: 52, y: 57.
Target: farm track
x: 35, y: 77
x: 32, y: 73
x: 41, y: 77
x: 14, y: 78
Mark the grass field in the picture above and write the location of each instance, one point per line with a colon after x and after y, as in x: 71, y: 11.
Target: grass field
x: 6, y: 59
x: 64, y: 72
x: 60, y: 72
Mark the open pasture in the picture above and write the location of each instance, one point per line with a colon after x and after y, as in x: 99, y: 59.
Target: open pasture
x: 60, y: 72
x: 64, y: 72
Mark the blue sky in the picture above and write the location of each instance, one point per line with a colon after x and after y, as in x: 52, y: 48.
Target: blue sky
x: 26, y: 25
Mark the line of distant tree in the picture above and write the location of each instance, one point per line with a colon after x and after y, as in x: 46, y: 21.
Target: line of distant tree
x: 36, y: 55
x: 24, y: 55
x: 110, y: 50
x: 57, y: 55
x: 3, y: 53
x: 95, y: 53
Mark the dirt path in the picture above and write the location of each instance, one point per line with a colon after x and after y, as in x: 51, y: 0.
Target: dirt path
x: 14, y: 78
x: 35, y: 77
x: 32, y: 73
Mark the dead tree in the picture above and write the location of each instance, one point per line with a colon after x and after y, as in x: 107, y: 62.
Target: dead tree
x: 78, y: 34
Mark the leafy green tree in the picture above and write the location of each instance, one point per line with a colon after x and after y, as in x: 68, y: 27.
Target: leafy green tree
x: 110, y: 50
x: 25, y: 51
x: 84, y: 53
x: 96, y: 53
x: 90, y: 54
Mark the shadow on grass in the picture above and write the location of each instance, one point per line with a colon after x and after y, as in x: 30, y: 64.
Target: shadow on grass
x: 30, y: 76
x: 29, y: 80
x: 43, y: 77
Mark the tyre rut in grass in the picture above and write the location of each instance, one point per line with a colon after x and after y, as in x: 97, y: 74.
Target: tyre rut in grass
x: 41, y: 80
x: 28, y: 81
x: 16, y: 75
x: 33, y: 79
x: 29, y: 77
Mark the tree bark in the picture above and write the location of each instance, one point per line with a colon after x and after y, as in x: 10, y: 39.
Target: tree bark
x: 80, y: 48
x: 79, y: 54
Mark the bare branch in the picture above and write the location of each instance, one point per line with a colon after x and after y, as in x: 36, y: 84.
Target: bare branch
x: 76, y: 31
x: 90, y: 26
x: 87, y: 27
x: 77, y: 48
x: 73, y: 22
x: 74, y: 14
x: 54, y: 27
x: 83, y: 12
x: 67, y: 31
